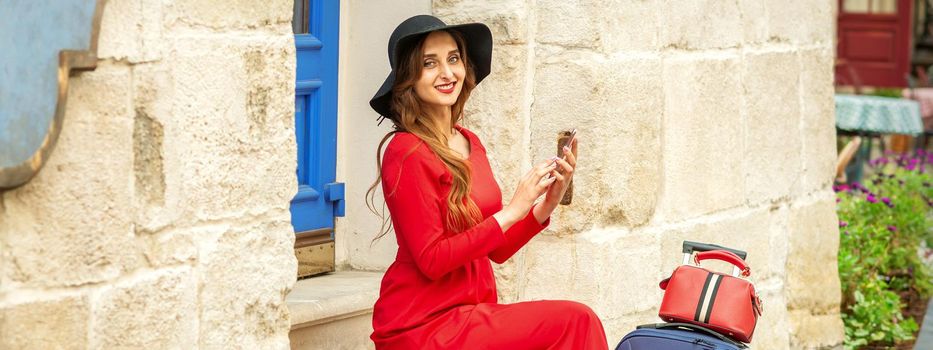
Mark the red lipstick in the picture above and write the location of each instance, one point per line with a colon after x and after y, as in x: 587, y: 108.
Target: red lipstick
x: 448, y: 90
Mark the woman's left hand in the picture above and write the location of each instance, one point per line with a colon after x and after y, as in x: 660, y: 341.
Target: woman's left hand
x: 563, y: 173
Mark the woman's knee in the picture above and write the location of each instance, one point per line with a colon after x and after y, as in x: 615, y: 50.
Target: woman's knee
x: 576, y: 310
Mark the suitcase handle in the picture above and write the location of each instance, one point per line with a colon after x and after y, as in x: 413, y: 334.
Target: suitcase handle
x: 694, y: 328
x: 691, y: 247
x: 726, y: 256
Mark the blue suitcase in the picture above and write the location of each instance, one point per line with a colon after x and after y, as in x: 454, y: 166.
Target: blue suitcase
x: 676, y: 336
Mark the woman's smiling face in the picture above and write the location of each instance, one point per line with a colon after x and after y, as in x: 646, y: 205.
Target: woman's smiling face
x: 442, y: 71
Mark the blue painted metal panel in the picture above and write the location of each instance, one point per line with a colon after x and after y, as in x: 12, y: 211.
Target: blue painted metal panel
x: 32, y: 33
x: 319, y: 197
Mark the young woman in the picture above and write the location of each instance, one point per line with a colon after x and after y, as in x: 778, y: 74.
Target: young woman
x: 446, y: 208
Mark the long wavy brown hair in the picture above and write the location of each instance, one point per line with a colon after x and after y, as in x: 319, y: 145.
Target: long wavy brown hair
x: 462, y: 212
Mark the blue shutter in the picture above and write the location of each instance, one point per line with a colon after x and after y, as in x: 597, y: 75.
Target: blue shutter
x: 319, y: 197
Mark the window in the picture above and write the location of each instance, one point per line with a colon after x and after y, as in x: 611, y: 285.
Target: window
x: 881, y: 7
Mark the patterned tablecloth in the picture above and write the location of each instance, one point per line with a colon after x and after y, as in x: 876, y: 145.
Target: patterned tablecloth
x: 876, y: 114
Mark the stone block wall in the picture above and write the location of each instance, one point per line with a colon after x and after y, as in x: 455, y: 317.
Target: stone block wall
x: 701, y: 120
x: 161, y: 219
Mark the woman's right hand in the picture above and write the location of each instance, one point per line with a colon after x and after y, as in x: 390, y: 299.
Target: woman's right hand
x: 532, y: 186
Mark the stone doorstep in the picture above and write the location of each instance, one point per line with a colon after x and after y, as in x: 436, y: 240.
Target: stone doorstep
x: 332, y: 297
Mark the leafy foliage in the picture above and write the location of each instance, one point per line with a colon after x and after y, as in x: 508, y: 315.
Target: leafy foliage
x: 883, y: 225
x: 895, y: 93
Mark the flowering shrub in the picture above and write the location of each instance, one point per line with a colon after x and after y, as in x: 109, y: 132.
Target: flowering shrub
x: 883, y: 224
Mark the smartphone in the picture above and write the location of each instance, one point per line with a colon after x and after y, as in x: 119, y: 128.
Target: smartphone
x: 573, y: 136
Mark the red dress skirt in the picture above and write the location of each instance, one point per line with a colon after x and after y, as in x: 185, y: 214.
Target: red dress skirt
x: 440, y: 293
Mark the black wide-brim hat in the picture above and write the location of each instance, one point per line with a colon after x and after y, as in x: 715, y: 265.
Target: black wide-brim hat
x: 479, y: 52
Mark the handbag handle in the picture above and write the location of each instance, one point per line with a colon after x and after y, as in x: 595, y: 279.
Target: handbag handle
x: 690, y: 247
x: 726, y: 256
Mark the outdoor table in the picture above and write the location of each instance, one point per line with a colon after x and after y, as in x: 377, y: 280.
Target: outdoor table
x: 872, y: 116
x: 862, y: 114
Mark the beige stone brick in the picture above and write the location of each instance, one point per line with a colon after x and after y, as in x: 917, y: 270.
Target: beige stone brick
x: 779, y: 245
x: 812, y: 269
x: 568, y: 23
x: 810, y: 331
x: 158, y: 310
x: 623, y: 268
x: 772, y: 329
x: 787, y: 20
x: 265, y: 270
x: 613, y: 273
x: 266, y: 63
x: 497, y: 112
x: 626, y: 25
x: 754, y: 21
x: 132, y: 30
x: 703, y: 137
x: 818, y: 119
x: 45, y: 324
x: 71, y: 225
x: 706, y: 24
x: 230, y: 150
x: 800, y: 21
x: 507, y: 20
x: 568, y: 88
x: 773, y: 141
x: 753, y: 231
x: 509, y: 276
x: 549, y: 270
x: 175, y: 246
x: 227, y: 14
x: 614, y: 104
x: 823, y: 30
x: 157, y: 205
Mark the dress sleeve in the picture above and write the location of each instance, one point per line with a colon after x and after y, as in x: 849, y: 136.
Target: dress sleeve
x: 517, y: 236
x: 414, y: 199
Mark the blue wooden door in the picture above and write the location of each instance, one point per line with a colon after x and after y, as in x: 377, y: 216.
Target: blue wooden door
x: 319, y: 198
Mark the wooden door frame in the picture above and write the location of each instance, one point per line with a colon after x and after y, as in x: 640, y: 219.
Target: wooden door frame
x: 903, y: 41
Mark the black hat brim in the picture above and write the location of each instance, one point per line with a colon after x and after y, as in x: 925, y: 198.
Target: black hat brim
x: 479, y: 50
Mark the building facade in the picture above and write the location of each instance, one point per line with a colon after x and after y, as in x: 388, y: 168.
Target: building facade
x: 162, y: 218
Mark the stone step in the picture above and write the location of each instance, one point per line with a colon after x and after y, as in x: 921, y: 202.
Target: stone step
x: 333, y: 311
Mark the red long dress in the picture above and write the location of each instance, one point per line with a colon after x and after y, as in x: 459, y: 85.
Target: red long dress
x: 440, y: 293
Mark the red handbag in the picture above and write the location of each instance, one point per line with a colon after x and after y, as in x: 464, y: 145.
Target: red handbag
x: 723, y: 303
